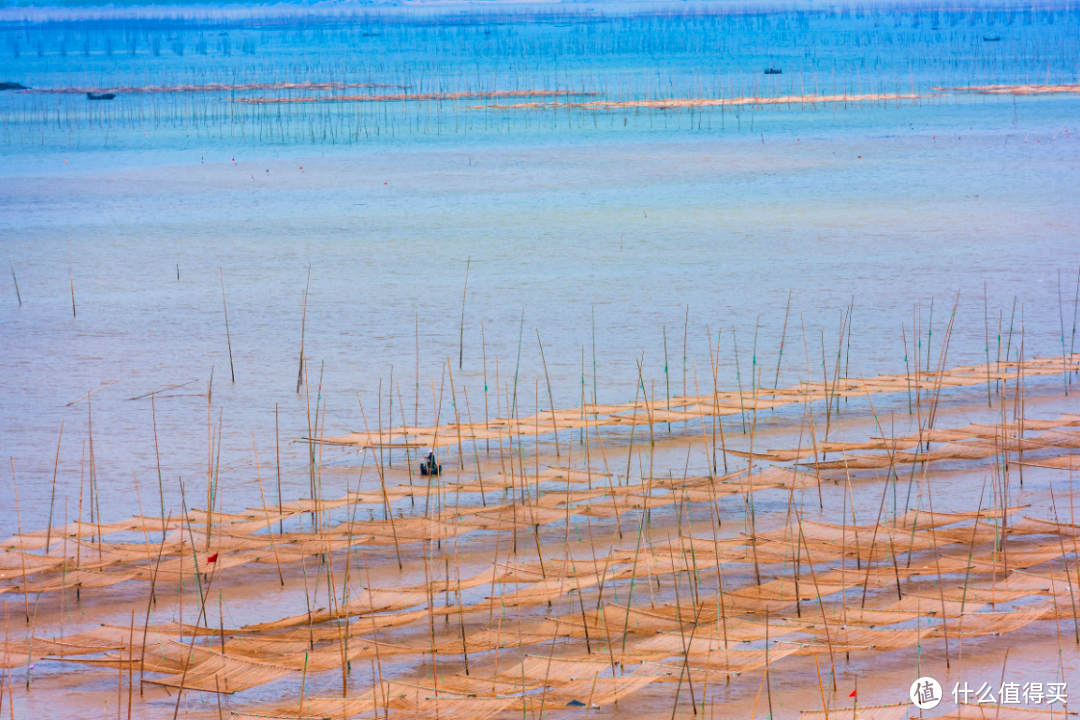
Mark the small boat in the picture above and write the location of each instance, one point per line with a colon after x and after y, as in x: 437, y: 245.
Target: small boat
x: 12, y: 86
x: 991, y: 39
x: 774, y: 71
x: 430, y: 468
x: 102, y: 96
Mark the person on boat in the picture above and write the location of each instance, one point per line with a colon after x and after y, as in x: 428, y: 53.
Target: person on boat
x: 429, y: 467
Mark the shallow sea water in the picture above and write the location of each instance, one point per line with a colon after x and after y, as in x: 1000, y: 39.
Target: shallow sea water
x: 600, y: 239
x: 629, y: 231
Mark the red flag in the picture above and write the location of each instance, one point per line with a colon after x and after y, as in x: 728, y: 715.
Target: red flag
x: 851, y: 695
x: 212, y: 558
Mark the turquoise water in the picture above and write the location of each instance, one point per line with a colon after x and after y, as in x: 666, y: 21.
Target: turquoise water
x: 616, y: 52
x: 595, y: 230
x: 668, y: 237
x: 571, y: 231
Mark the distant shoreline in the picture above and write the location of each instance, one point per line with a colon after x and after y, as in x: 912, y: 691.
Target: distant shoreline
x: 489, y: 10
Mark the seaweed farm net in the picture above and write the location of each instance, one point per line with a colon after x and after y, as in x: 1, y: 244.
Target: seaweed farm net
x: 657, y: 601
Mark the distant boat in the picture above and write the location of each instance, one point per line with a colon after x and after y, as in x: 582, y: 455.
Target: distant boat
x: 774, y: 71
x: 12, y: 86
x: 102, y: 96
x: 991, y: 39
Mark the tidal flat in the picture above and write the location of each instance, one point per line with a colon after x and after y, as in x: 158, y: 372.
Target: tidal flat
x: 742, y: 337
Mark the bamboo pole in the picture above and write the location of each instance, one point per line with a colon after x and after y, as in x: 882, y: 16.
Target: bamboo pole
x: 937, y: 564
x: 303, y: 329
x: 483, y: 350
x: 277, y: 455
x: 22, y: 556
x: 686, y: 331
x: 476, y: 454
x: 71, y: 278
x: 228, y: 335
x: 667, y: 379
x: 131, y: 664
x: 457, y: 416
x: 18, y: 295
x: 157, y: 458
x: 382, y: 484
x: 461, y: 335
x: 1068, y: 578
x: 551, y: 400
x: 149, y: 604
x: 783, y: 337
x: 52, y: 498
x: 1076, y: 306
x: 266, y: 512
